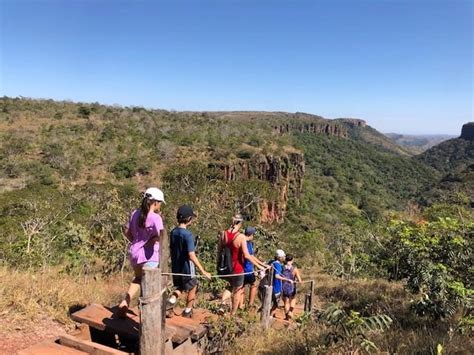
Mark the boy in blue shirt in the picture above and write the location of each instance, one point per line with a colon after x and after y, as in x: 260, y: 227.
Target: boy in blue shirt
x: 278, y: 278
x: 250, y: 279
x: 184, y: 260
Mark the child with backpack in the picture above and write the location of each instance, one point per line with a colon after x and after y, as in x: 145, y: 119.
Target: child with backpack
x: 231, y: 253
x: 278, y: 278
x: 290, y: 272
x: 184, y: 260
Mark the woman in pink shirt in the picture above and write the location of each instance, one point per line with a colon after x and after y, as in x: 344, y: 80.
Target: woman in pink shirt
x: 143, y: 231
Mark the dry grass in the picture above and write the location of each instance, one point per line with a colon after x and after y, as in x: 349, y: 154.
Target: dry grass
x: 27, y: 296
x: 409, y: 334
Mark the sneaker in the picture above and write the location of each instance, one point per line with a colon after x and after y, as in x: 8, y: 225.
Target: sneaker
x: 187, y: 314
x: 172, y: 300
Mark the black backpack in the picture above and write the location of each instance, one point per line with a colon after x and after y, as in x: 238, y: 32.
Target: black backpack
x: 225, y: 266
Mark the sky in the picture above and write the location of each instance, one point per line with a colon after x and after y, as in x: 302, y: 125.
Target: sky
x: 404, y: 66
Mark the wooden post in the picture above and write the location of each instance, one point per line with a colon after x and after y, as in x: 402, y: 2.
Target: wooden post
x: 164, y: 266
x: 311, y: 296
x: 267, y: 302
x: 152, y: 333
x: 306, y: 302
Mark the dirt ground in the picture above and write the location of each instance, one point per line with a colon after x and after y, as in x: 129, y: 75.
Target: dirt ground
x: 21, y: 337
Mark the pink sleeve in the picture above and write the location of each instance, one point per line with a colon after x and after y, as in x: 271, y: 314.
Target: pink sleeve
x: 158, y: 224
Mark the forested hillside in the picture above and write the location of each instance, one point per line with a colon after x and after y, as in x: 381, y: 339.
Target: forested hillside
x: 339, y: 195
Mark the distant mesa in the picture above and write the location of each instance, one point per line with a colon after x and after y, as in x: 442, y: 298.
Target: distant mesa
x: 467, y: 131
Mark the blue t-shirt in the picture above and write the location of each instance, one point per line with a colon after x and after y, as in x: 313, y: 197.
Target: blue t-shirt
x: 181, y: 244
x: 277, y: 270
x: 248, y: 266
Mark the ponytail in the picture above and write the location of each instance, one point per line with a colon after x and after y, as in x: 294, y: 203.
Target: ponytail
x: 144, y: 210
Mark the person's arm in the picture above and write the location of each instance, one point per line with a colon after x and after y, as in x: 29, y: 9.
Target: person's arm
x: 126, y: 229
x: 195, y: 260
x: 247, y: 255
x: 158, y: 224
x: 126, y: 232
x: 191, y: 247
x: 297, y: 275
x: 153, y: 240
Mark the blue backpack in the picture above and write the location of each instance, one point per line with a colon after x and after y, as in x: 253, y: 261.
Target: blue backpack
x: 288, y: 288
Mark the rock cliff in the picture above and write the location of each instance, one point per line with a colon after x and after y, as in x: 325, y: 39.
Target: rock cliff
x: 467, y: 131
x: 329, y: 128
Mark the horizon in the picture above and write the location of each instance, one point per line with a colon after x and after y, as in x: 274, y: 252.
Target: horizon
x: 404, y: 67
x: 20, y: 97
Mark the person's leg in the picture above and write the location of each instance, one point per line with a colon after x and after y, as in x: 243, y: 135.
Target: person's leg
x: 292, y: 306
x: 226, y: 295
x: 237, y: 294
x: 191, y: 297
x: 275, y: 299
x: 253, y: 293
x: 133, y: 289
x: 242, y: 301
x: 286, y: 301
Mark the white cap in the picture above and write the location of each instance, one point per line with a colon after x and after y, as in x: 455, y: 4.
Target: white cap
x: 280, y: 253
x: 155, y: 194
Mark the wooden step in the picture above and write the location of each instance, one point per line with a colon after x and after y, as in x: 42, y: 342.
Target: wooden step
x: 105, y: 319
x: 88, y: 346
x: 50, y: 348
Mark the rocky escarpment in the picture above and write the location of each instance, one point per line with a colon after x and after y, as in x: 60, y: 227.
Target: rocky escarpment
x: 467, y: 131
x: 352, y: 122
x: 329, y: 128
x: 284, y: 172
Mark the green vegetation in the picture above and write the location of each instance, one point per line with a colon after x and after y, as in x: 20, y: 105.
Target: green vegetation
x: 72, y: 173
x: 451, y: 156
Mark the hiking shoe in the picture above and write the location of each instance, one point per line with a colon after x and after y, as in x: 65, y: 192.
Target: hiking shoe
x: 187, y: 314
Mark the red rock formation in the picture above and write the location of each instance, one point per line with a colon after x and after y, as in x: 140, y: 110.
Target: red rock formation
x: 284, y: 172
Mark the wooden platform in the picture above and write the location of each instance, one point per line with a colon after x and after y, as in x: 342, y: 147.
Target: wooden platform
x: 182, y: 334
x: 50, y: 348
x: 178, y: 329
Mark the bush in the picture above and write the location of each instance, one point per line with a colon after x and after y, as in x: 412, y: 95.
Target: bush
x: 435, y: 258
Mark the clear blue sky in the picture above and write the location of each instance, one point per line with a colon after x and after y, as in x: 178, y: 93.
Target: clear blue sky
x: 404, y: 66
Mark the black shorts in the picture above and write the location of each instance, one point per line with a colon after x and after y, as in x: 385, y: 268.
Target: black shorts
x: 249, y: 279
x: 235, y: 281
x: 291, y: 295
x: 184, y: 283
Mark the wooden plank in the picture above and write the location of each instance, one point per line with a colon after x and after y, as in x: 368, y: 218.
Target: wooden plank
x: 180, y: 334
x: 196, y: 329
x: 186, y: 348
x: 104, y: 318
x: 50, y: 348
x: 82, y: 331
x: 88, y: 346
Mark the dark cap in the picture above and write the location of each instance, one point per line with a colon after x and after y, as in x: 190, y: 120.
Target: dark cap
x: 185, y: 211
x: 250, y: 230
